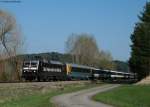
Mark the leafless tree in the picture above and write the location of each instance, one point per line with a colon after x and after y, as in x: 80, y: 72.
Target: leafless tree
x: 84, y: 50
x: 105, y: 61
x: 10, y: 38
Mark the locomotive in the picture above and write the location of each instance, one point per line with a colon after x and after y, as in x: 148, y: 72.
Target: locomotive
x: 43, y: 70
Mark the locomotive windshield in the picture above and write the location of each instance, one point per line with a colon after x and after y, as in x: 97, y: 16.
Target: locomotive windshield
x: 30, y: 63
x: 34, y: 63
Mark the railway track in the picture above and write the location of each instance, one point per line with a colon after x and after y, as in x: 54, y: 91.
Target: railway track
x: 43, y: 81
x: 39, y: 85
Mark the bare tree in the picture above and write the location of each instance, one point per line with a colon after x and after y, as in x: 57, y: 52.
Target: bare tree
x: 69, y: 46
x: 84, y: 50
x: 10, y: 39
x: 105, y: 61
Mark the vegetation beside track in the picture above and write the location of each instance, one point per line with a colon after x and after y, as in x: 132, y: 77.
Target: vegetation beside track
x: 36, y: 97
x: 126, y: 96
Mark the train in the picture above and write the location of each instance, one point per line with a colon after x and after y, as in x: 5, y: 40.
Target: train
x: 44, y: 70
x: 114, y: 76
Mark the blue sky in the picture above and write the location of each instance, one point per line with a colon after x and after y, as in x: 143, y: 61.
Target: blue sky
x: 46, y: 24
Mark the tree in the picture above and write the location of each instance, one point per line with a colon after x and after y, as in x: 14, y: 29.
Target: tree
x: 10, y: 40
x: 105, y: 61
x: 140, y: 54
x: 84, y: 50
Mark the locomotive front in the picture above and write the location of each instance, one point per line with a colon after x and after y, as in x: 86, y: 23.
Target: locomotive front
x: 30, y: 70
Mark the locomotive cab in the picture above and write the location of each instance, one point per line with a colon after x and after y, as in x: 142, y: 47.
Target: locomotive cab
x: 30, y: 69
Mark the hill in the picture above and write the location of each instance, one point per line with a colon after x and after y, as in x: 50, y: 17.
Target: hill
x: 121, y: 66
x: 49, y: 56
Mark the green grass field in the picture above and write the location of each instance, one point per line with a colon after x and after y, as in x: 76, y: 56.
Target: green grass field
x: 28, y: 97
x: 126, y: 96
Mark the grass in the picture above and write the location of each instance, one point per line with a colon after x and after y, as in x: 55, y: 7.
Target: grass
x: 126, y: 96
x: 13, y: 97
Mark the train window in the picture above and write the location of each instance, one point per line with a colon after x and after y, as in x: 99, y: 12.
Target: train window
x: 26, y: 64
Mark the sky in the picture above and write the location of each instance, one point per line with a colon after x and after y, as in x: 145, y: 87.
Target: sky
x: 46, y: 24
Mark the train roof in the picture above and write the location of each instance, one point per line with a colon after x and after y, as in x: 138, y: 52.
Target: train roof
x: 122, y: 72
x: 80, y: 66
x: 30, y: 61
x: 114, y: 71
x: 56, y: 62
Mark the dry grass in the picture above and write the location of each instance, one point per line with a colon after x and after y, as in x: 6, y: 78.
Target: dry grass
x: 13, y: 91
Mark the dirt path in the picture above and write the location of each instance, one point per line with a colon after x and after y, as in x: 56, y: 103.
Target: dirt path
x: 82, y: 98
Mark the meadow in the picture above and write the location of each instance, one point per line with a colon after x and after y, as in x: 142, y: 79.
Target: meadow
x: 37, y: 94
x: 126, y: 96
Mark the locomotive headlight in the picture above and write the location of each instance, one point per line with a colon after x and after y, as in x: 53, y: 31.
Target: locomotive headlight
x: 24, y: 71
x: 34, y: 71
